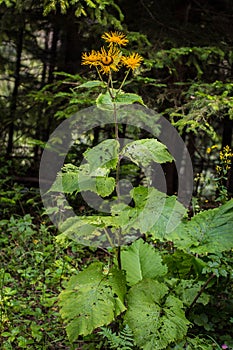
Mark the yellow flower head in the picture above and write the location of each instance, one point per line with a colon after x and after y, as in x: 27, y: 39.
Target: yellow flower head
x: 109, y: 60
x: 218, y: 168
x: 221, y: 155
x: 225, y: 155
x: 133, y: 61
x: 91, y: 59
x: 227, y: 149
x: 115, y: 38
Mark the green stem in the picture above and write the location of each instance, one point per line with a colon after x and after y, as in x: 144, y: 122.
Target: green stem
x: 110, y: 86
x: 100, y: 76
x: 123, y: 81
x: 199, y: 293
x: 109, y: 238
x: 119, y: 257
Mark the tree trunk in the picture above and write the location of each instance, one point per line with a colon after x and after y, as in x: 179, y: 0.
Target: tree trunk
x: 13, y: 105
x: 40, y: 114
x: 227, y: 131
x: 51, y: 69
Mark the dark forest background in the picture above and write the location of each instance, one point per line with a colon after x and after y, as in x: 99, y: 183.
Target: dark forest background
x: 186, y: 75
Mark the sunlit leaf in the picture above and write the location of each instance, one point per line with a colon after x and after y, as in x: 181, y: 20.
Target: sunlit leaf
x: 155, y: 317
x: 143, y: 152
x: 92, y: 299
x: 140, y: 260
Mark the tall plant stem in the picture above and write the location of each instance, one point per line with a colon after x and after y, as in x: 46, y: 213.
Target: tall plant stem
x: 199, y: 293
x: 119, y: 257
x: 100, y: 76
x: 117, y: 184
x: 123, y: 81
x: 110, y: 86
x: 108, y: 237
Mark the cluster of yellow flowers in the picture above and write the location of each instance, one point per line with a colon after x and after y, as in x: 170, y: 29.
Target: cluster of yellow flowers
x: 226, y: 158
x: 112, y: 58
x: 225, y: 155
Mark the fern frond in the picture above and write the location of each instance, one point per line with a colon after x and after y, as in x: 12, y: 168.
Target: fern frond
x: 121, y: 341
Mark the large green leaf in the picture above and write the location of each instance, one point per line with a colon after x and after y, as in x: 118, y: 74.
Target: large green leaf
x: 171, y: 215
x: 154, y: 213
x: 143, y: 152
x: 182, y: 265
x: 105, y: 100
x: 104, y: 155
x: 210, y: 231
x: 140, y: 260
x: 82, y: 180
x: 92, y: 299
x: 93, y: 175
x: 149, y: 204
x: 91, y: 84
x: 155, y: 317
x: 128, y: 98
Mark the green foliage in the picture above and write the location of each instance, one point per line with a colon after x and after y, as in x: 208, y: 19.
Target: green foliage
x: 152, y: 213
x: 143, y: 152
x: 93, y: 175
x: 121, y: 341
x: 94, y: 8
x: 31, y: 272
x: 153, y: 294
x: 92, y: 299
x: 158, y: 319
x: 82, y: 179
x: 186, y: 290
x: 207, y: 232
x: 192, y: 56
x: 196, y: 343
x: 105, y: 101
x: 103, y: 155
x: 91, y: 84
x: 141, y: 261
x: 183, y: 265
x: 203, y: 103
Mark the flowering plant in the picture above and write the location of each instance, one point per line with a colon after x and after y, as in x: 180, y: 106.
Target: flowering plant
x: 112, y: 59
x: 109, y: 60
x: 113, y: 291
x: 222, y: 170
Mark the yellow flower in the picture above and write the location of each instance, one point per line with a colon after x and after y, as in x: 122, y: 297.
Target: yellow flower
x: 226, y: 149
x: 208, y: 150
x: 218, y: 168
x: 115, y: 38
x: 221, y: 155
x: 109, y: 60
x: 133, y: 61
x: 92, y: 58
